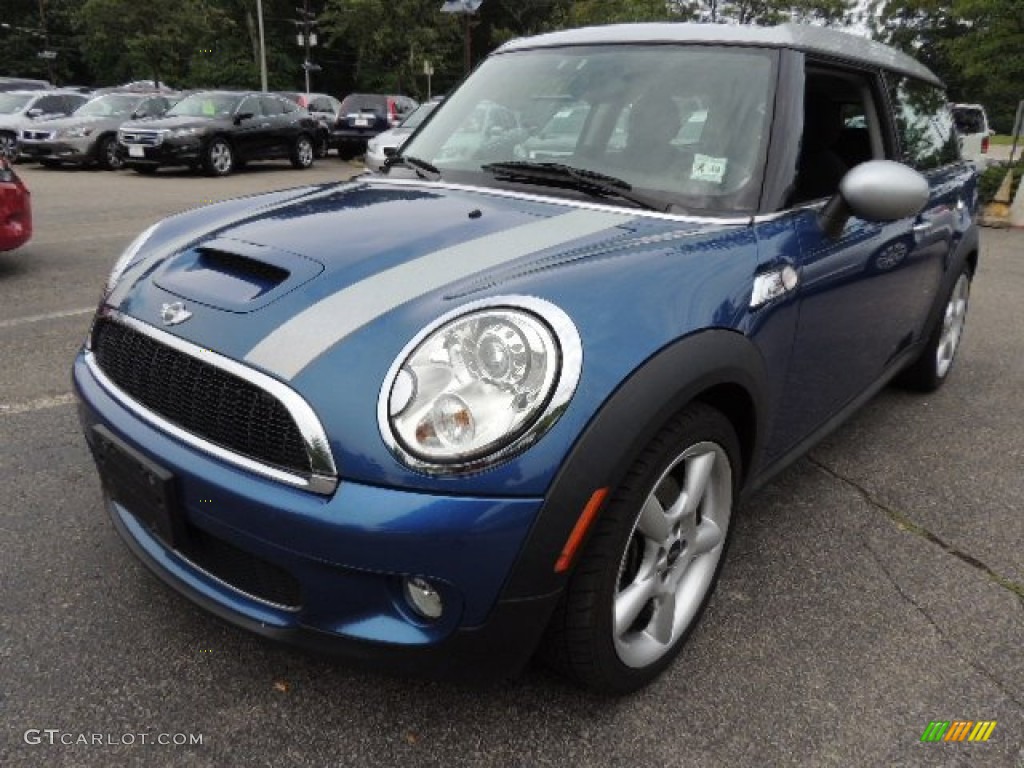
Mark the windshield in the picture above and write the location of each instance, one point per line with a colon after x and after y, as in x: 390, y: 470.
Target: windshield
x: 109, y: 106
x: 13, y: 102
x: 686, y: 123
x: 205, y: 105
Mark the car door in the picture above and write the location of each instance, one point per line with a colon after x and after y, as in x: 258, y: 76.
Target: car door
x: 250, y: 134
x: 865, y: 292
x: 281, y: 127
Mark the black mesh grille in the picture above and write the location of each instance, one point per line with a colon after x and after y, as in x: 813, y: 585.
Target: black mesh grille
x: 199, y: 397
x: 240, y: 569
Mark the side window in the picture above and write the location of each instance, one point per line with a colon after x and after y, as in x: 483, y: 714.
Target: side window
x: 251, y: 105
x: 924, y: 124
x: 841, y: 130
x: 50, y: 105
x: 272, y: 106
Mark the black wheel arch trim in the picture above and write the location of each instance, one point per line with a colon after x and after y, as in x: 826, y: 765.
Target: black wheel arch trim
x: 703, y: 367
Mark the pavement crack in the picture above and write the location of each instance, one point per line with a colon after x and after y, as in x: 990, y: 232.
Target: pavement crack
x: 904, y: 523
x: 1006, y: 690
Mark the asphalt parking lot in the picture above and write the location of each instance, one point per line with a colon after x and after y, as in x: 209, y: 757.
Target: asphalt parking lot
x: 872, y: 588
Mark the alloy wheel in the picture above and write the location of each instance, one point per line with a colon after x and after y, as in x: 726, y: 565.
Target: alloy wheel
x: 672, y: 555
x: 953, y: 321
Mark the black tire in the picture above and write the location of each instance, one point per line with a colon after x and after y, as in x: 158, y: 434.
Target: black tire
x: 107, y: 154
x: 932, y: 368
x: 582, y: 640
x: 346, y: 153
x: 302, y: 153
x: 219, y: 158
x: 322, y: 147
x: 145, y: 170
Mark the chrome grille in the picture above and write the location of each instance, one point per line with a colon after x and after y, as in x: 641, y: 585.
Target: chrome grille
x: 200, y: 398
x: 37, y: 135
x: 146, y: 138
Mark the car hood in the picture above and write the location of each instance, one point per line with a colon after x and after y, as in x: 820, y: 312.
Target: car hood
x: 282, y: 278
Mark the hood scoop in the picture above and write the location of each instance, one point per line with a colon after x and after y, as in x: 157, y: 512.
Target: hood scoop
x: 235, y: 275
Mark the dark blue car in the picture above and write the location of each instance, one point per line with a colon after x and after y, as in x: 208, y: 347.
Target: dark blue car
x: 485, y: 404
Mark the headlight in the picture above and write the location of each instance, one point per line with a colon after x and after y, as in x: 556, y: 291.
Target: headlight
x: 125, y: 259
x: 77, y: 132
x: 480, y: 385
x: 180, y: 133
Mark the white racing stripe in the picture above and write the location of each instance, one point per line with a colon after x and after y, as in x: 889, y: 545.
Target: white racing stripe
x: 294, y: 345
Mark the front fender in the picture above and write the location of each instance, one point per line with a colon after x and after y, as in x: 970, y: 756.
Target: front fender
x: 708, y: 364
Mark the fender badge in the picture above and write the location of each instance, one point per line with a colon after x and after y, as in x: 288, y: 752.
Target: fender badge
x: 172, y: 314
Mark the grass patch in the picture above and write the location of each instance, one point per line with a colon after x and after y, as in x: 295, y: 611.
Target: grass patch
x: 1005, y: 141
x: 993, y: 176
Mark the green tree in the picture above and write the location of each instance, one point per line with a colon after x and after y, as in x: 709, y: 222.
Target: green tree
x: 125, y: 39
x: 991, y: 53
x: 386, y: 43
x: 975, y: 46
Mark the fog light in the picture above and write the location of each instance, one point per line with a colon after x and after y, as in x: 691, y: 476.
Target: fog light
x: 422, y: 596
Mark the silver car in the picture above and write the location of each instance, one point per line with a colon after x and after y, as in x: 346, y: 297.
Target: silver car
x: 22, y: 109
x: 90, y: 134
x: 384, y: 145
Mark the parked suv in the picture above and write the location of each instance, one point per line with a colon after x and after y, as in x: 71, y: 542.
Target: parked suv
x: 90, y: 134
x: 24, y: 109
x: 219, y: 131
x: 362, y: 116
x: 484, y: 404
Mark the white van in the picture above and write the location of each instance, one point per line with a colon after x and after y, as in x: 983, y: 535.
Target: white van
x: 972, y: 128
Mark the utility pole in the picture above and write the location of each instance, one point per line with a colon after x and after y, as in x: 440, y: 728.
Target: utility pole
x: 48, y: 55
x: 263, y: 48
x: 307, y: 38
x: 464, y: 8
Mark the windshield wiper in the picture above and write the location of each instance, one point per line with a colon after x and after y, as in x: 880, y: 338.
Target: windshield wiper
x: 422, y: 168
x: 590, y: 182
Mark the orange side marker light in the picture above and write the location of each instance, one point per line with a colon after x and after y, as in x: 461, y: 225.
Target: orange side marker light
x: 579, y: 531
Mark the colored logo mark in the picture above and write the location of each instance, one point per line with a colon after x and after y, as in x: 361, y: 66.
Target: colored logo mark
x: 958, y: 730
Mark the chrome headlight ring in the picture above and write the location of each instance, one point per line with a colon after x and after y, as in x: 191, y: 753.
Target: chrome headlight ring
x: 479, y: 385
x: 126, y: 258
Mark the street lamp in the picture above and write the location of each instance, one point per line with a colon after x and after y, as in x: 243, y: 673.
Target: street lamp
x: 465, y: 8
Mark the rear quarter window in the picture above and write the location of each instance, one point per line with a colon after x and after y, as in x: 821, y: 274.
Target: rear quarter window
x: 923, y: 123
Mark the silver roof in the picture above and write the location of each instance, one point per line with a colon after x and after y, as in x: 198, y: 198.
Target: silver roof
x: 801, y: 37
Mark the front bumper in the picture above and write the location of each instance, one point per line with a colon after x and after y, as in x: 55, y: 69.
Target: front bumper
x: 345, y: 557
x: 66, y: 150
x: 168, y: 152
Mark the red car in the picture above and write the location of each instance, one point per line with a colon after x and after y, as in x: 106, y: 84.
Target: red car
x: 15, y: 209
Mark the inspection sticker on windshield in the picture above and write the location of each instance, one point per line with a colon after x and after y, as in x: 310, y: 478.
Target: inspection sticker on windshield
x: 706, y: 168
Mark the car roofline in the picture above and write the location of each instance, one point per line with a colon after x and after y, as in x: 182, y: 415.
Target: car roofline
x: 800, y: 37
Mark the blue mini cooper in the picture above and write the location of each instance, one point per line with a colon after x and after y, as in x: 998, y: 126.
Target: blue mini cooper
x: 507, y: 396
